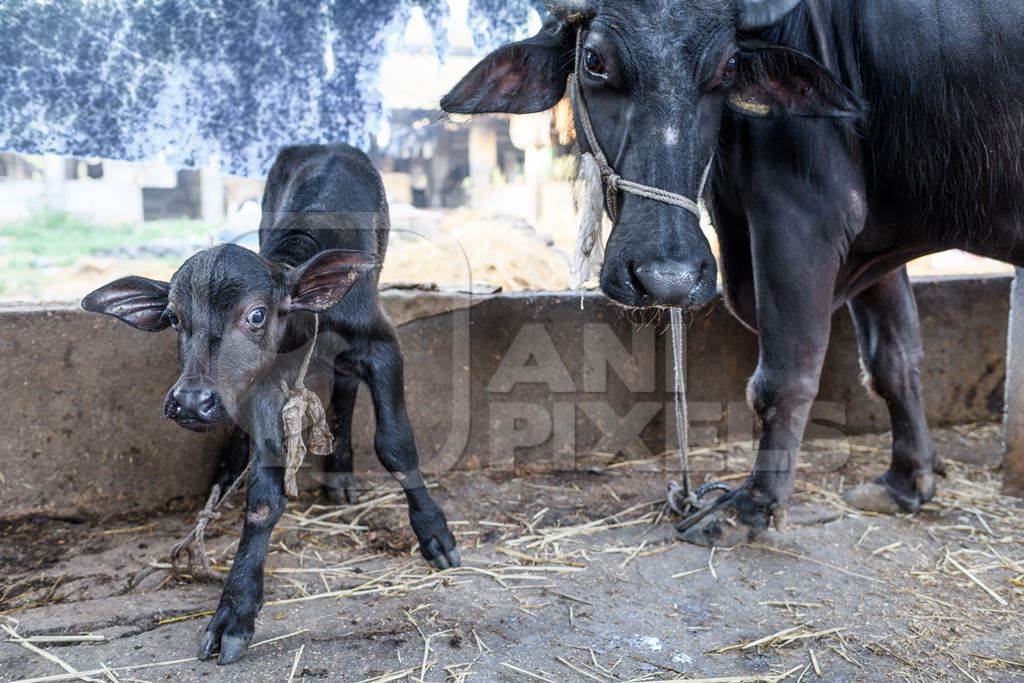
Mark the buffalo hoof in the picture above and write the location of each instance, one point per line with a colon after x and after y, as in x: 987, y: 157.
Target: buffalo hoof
x: 871, y: 497
x: 340, y: 488
x: 720, y: 530
x: 437, y: 544
x: 885, y: 497
x: 733, y: 519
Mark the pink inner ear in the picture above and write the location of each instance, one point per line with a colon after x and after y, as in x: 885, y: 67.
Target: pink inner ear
x: 325, y: 284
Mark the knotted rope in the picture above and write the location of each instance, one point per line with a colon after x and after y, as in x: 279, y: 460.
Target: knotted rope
x: 303, y: 409
x: 194, y: 544
x: 683, y: 500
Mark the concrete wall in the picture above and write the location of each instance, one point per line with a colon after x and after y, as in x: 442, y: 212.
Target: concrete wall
x: 525, y: 381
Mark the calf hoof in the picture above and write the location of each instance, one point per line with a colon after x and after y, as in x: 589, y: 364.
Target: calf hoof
x: 733, y: 519
x: 438, y: 556
x: 886, y: 497
x: 340, y: 488
x: 437, y: 544
x: 227, y: 636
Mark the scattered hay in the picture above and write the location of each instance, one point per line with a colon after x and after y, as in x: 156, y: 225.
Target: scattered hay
x: 958, y: 563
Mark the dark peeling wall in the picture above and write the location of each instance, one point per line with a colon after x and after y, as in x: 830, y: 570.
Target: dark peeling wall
x: 194, y: 79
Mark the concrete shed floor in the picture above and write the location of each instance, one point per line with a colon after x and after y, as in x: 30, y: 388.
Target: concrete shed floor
x: 569, y: 577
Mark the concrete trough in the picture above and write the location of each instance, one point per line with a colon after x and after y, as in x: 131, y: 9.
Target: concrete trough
x: 515, y: 382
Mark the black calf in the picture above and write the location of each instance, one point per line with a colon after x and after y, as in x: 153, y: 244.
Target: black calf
x: 244, y: 322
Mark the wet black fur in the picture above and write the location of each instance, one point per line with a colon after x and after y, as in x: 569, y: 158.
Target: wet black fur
x: 318, y: 200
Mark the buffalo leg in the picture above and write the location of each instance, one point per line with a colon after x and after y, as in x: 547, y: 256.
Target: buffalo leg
x: 794, y: 276
x: 396, y: 448
x: 232, y: 626
x: 340, y: 486
x: 885, y: 316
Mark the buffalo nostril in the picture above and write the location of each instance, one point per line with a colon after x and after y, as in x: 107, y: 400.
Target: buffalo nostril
x: 636, y: 279
x: 706, y: 270
x: 205, y: 403
x: 669, y: 283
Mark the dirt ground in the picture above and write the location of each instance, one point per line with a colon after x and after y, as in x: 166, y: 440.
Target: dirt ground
x: 574, y: 577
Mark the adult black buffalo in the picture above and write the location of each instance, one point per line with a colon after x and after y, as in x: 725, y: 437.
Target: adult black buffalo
x: 848, y: 137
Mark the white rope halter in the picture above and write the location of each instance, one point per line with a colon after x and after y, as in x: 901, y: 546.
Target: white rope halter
x: 614, y: 183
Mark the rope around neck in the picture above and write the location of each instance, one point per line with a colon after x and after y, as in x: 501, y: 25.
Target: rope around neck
x: 189, y: 556
x: 303, y: 409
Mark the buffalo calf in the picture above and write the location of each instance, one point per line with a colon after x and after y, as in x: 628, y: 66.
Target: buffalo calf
x: 244, y: 323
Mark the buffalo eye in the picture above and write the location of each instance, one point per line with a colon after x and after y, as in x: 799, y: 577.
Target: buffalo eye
x: 594, y: 64
x: 172, y: 318
x: 729, y: 71
x: 256, y: 318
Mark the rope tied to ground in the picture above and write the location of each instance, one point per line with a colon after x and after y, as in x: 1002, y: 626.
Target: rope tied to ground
x: 186, y: 551
x: 595, y: 170
x: 676, y: 492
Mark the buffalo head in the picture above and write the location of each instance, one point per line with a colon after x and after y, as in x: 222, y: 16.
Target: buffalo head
x: 656, y: 76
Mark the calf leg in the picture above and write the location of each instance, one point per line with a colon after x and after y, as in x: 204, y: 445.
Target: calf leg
x: 890, y: 347
x: 233, y: 459
x: 795, y: 270
x: 340, y: 486
x: 381, y: 360
x: 234, y: 622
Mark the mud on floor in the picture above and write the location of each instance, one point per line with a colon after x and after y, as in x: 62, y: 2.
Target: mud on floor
x: 574, y: 577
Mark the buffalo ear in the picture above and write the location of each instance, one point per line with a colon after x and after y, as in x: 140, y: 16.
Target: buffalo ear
x: 138, y: 301
x: 521, y: 78
x: 325, y: 279
x: 773, y: 82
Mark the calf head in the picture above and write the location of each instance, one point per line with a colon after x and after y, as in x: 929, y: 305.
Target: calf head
x: 230, y: 308
x: 656, y: 76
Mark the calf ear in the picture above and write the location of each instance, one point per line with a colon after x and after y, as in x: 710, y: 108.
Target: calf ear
x: 521, y: 78
x: 325, y: 279
x: 138, y: 301
x: 775, y: 81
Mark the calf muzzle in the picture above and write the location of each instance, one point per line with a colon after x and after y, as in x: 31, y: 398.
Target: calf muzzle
x: 193, y: 406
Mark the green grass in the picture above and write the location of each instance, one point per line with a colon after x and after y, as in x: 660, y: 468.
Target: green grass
x: 45, y: 240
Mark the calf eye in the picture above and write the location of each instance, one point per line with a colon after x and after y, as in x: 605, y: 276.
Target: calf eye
x: 593, y: 63
x: 171, y: 318
x: 256, y: 317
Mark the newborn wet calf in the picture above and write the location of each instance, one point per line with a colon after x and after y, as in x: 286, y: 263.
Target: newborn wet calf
x: 245, y: 322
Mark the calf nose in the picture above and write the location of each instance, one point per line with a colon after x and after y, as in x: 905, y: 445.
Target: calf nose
x: 191, y: 403
x: 674, y: 283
